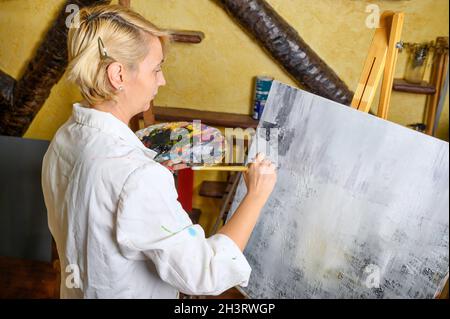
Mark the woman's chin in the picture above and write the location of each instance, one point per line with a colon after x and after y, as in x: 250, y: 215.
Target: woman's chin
x: 147, y: 107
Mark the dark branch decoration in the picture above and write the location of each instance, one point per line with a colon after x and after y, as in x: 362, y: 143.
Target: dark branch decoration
x: 286, y: 46
x: 20, y: 100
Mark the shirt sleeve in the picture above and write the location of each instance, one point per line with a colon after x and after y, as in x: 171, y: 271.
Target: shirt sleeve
x: 151, y: 224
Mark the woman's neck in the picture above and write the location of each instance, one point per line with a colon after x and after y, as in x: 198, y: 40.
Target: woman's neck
x: 115, y: 108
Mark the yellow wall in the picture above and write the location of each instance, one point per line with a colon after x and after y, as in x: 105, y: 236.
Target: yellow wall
x: 217, y: 74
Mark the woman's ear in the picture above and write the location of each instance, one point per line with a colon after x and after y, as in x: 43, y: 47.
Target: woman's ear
x: 115, y: 75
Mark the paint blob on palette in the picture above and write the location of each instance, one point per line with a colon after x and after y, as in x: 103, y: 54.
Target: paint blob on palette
x: 184, y: 142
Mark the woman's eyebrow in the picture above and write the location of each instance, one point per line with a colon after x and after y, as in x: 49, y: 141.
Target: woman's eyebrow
x: 159, y: 64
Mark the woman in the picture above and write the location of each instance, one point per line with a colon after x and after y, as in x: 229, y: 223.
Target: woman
x: 113, y: 210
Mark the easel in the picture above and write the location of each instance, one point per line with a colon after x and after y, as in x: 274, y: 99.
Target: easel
x: 381, y: 59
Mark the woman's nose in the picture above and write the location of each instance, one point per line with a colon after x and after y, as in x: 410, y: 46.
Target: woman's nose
x: 161, y: 80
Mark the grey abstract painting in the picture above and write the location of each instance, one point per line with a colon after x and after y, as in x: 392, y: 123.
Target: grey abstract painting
x: 360, y: 208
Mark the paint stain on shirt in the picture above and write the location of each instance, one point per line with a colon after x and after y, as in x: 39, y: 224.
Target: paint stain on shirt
x: 164, y: 228
x: 192, y: 232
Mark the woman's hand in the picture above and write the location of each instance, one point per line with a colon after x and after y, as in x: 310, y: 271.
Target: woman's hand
x: 260, y: 178
x: 174, y: 167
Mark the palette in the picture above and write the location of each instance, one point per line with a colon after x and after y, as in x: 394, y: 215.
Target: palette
x: 184, y: 142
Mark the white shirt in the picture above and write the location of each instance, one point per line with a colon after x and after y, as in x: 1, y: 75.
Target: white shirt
x: 119, y: 229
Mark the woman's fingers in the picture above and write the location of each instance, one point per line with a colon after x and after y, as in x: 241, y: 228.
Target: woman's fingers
x: 260, y: 157
x: 178, y: 167
x: 169, y: 164
x: 262, y: 164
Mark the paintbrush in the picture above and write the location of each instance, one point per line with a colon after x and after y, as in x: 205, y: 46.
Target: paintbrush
x: 235, y: 168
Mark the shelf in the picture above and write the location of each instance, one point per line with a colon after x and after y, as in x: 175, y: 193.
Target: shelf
x: 213, y: 189
x: 423, y: 88
x: 174, y: 114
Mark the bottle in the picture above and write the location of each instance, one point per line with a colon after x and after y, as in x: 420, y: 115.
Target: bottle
x: 417, y: 62
x: 262, y: 88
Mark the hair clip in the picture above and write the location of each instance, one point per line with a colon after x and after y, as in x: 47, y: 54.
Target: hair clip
x: 92, y: 16
x: 102, y: 48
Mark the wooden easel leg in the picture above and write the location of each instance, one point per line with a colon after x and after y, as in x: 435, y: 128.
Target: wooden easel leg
x: 440, y: 66
x: 373, y: 67
x: 389, y: 69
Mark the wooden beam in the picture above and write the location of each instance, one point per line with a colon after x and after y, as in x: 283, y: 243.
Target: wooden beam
x: 184, y: 36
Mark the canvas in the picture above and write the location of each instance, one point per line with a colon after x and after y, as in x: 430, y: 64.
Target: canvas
x: 360, y: 208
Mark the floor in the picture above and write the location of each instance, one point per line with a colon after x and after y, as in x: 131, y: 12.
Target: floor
x: 27, y: 279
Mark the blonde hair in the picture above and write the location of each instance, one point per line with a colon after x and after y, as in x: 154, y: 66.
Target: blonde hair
x: 105, y: 34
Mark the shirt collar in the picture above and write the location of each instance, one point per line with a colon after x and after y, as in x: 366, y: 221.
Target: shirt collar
x: 108, y: 123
